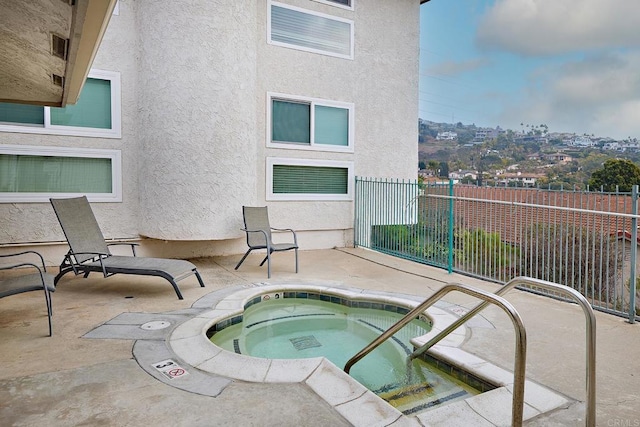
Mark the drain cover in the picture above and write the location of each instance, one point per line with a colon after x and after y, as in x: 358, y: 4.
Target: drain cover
x: 155, y: 325
x: 302, y: 343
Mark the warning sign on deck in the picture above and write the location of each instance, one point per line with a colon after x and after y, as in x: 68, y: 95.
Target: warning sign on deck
x: 170, y: 369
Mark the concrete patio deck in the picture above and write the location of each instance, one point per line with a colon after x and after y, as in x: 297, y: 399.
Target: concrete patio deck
x: 70, y: 379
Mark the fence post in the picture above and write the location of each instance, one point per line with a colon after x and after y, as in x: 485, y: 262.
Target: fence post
x: 451, y: 216
x: 356, y: 206
x: 634, y: 254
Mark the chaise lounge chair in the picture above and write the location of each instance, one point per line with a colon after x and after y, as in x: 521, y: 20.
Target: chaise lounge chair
x: 36, y: 281
x: 258, y: 231
x: 89, y: 252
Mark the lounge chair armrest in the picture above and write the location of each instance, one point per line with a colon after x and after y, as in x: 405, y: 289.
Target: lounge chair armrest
x: 22, y: 264
x: 98, y: 255
x: 267, y: 240
x: 133, y: 245
x: 24, y: 253
x: 255, y: 231
x: 295, y: 238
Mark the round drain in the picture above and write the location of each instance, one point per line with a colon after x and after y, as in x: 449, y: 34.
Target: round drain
x: 155, y: 325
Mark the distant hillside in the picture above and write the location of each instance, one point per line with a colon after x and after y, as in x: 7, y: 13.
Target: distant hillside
x: 531, y: 150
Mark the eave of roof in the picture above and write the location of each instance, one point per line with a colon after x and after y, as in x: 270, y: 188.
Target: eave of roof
x: 27, y: 64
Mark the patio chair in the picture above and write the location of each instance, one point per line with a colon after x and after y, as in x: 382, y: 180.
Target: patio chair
x: 88, y: 251
x: 258, y: 232
x: 38, y: 280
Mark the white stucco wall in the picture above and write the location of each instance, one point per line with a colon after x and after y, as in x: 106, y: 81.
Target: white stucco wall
x: 197, y: 74
x: 382, y: 83
x: 194, y: 77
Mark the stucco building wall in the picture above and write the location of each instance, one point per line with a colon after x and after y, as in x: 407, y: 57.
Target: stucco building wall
x: 194, y: 80
x: 197, y: 81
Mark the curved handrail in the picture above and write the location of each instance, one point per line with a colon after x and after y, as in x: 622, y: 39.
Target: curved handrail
x: 590, y: 332
x: 521, y: 339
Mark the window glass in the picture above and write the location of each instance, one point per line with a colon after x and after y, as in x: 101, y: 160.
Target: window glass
x: 33, y: 174
x: 291, y: 122
x: 93, y: 109
x: 309, y: 179
x: 48, y: 174
x: 331, y: 126
x: 21, y: 113
x: 97, y: 112
x: 294, y: 179
x: 303, y: 123
x: 310, y: 31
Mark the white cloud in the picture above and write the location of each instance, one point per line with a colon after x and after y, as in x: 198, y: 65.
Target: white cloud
x: 546, y: 27
x: 599, y: 95
x: 452, y: 68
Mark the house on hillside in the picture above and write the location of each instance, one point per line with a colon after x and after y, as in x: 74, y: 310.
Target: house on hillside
x: 447, y: 136
x: 486, y: 134
x: 189, y: 113
x: 582, y: 141
x: 461, y: 174
x: 558, y: 157
x: 519, y: 179
x: 613, y: 145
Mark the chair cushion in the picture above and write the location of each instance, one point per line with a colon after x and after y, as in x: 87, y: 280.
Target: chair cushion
x: 283, y: 246
x: 25, y: 283
x: 142, y: 265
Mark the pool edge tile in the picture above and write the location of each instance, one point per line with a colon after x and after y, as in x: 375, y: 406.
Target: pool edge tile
x: 237, y: 366
x: 454, y: 414
x: 542, y: 398
x: 369, y: 410
x: 194, y: 350
x: 292, y: 370
x: 495, y: 406
x: 334, y: 385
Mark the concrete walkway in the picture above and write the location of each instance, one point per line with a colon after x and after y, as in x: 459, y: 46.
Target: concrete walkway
x: 70, y: 379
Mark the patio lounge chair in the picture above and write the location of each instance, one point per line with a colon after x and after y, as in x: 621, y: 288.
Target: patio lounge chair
x: 258, y: 231
x: 89, y: 252
x: 39, y: 280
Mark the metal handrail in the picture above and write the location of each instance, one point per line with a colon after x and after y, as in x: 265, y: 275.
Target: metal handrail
x: 590, y: 419
x: 521, y: 339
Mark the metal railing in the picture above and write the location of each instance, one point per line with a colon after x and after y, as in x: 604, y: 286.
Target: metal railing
x: 585, y: 240
x: 519, y: 376
x: 590, y: 329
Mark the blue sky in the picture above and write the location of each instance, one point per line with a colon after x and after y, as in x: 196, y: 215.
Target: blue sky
x: 573, y: 65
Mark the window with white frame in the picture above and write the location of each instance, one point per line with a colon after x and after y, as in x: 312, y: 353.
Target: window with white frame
x: 96, y: 114
x: 303, y: 29
x: 345, y: 4
x: 303, y: 179
x: 34, y: 174
x: 309, y: 123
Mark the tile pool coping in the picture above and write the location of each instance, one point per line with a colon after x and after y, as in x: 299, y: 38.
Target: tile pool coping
x: 189, y: 342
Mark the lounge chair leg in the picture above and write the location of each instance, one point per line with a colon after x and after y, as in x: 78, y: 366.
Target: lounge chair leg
x: 199, y: 278
x: 243, y: 258
x: 296, y: 251
x: 265, y: 258
x: 47, y: 298
x: 175, y: 288
x: 268, y: 264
